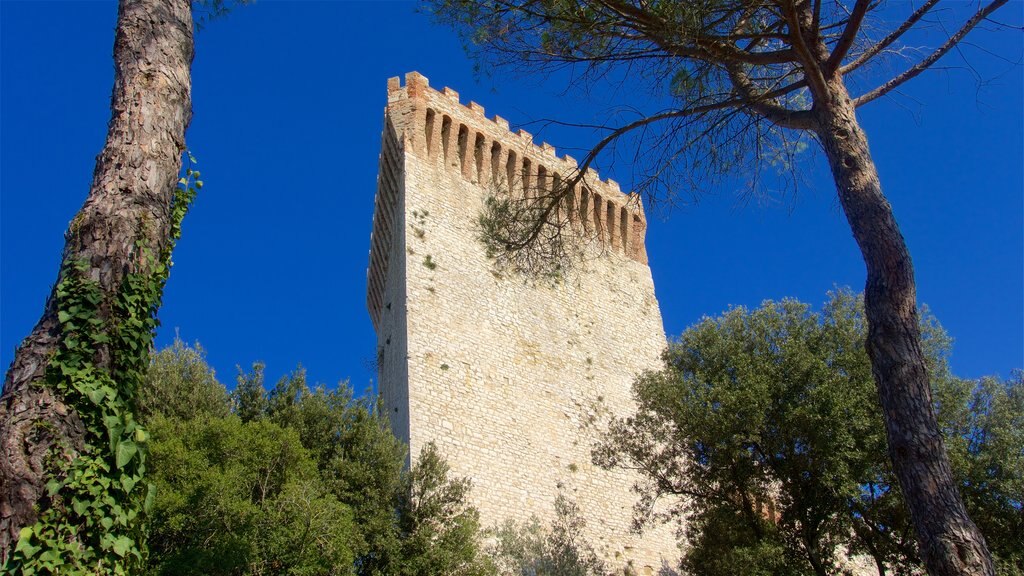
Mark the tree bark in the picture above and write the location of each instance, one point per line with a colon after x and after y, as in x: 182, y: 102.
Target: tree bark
x: 950, y: 543
x: 128, y: 208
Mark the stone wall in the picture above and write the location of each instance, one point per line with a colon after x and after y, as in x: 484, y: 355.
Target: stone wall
x: 502, y: 373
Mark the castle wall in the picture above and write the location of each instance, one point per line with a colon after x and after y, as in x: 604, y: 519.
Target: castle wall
x: 386, y: 286
x: 502, y: 373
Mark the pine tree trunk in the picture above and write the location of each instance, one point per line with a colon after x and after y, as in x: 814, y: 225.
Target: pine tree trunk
x: 128, y: 207
x: 950, y: 543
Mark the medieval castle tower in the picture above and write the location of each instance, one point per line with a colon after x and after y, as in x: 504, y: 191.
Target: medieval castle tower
x: 499, y: 372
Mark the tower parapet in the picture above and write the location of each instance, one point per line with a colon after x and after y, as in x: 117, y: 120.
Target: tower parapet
x: 435, y: 126
x: 505, y: 376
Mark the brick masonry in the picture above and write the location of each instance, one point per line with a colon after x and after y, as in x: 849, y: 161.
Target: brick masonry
x: 502, y: 373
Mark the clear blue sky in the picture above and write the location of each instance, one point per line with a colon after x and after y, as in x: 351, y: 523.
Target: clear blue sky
x: 288, y: 100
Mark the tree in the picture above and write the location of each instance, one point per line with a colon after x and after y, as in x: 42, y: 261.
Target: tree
x: 439, y: 531
x: 242, y: 498
x: 763, y: 429
x: 97, y: 321
x: 180, y: 384
x: 750, y: 83
x: 293, y: 480
x: 530, y: 549
x: 983, y: 422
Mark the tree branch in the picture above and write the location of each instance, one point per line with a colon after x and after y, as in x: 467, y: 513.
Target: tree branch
x: 888, y: 40
x: 939, y: 53
x: 761, y: 103
x: 815, y: 78
x: 842, y: 47
x: 713, y: 49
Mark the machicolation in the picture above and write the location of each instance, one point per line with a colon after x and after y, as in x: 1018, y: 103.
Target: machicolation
x: 505, y: 376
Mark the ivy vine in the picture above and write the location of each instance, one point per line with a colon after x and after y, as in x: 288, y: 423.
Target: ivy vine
x: 95, y: 521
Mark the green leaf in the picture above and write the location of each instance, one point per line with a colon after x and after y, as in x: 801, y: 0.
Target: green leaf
x: 126, y: 450
x: 49, y: 557
x: 127, y: 482
x: 150, y: 496
x: 25, y: 546
x: 63, y: 317
x: 53, y: 486
x: 114, y: 429
x: 96, y: 395
x: 122, y: 544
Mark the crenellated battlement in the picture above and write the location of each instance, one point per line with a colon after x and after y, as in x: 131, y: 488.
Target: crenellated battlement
x: 436, y: 126
x: 504, y: 376
x: 461, y: 136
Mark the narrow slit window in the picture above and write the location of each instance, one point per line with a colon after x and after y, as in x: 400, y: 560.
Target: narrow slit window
x: 597, y: 216
x: 495, y: 162
x: 510, y: 169
x: 446, y: 133
x: 463, y: 144
x: 610, y: 221
x: 556, y: 188
x: 478, y: 156
x: 585, y: 208
x: 526, y: 177
x: 624, y: 230
x: 638, y: 230
x: 430, y: 132
x: 570, y: 205
x: 542, y: 181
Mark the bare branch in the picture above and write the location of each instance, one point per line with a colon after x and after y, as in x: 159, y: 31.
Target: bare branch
x: 849, y: 35
x: 892, y: 37
x: 924, y: 64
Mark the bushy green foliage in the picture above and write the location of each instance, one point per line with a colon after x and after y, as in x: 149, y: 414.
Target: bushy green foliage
x: 531, y: 549
x: 439, y: 533
x: 983, y: 422
x: 243, y: 498
x: 181, y: 385
x: 293, y: 480
x: 764, y: 427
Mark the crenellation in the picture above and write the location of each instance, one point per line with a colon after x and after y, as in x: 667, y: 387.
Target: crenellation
x: 501, y: 373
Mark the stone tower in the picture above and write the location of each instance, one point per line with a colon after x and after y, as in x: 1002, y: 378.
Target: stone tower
x: 502, y: 373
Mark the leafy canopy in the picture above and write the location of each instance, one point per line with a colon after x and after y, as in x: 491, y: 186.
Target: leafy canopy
x: 293, y: 480
x: 764, y: 429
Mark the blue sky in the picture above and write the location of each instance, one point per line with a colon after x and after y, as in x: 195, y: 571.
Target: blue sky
x: 288, y: 100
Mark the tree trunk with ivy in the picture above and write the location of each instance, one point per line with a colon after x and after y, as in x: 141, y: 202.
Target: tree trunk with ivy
x: 126, y: 223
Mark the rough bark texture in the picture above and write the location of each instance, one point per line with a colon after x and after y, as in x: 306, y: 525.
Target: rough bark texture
x: 950, y: 543
x: 129, y: 202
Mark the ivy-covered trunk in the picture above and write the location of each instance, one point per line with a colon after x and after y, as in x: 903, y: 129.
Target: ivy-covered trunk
x: 950, y: 544
x: 113, y: 246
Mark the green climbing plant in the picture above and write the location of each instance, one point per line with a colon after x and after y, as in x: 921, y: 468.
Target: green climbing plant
x: 95, y: 521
